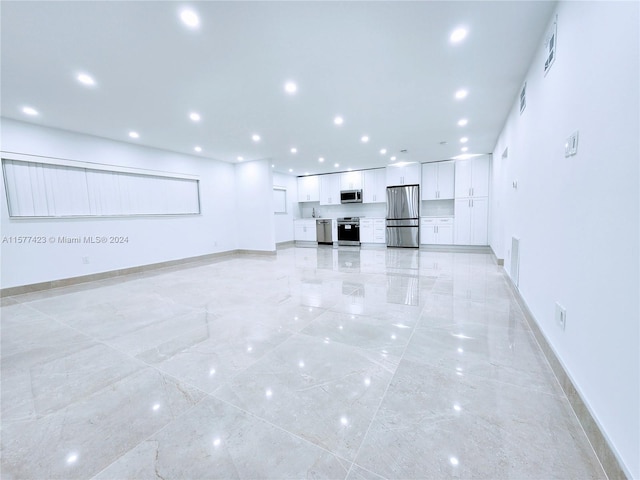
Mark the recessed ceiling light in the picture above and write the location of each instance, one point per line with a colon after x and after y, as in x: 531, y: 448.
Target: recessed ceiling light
x: 462, y: 122
x: 458, y: 35
x: 30, y: 111
x: 364, y: 139
x: 290, y: 170
x: 86, y: 79
x: 383, y: 151
x: 240, y: 159
x: 464, y: 149
x: 190, y: 18
x: 194, y: 116
x: 350, y: 169
x: 464, y: 140
x: 272, y: 165
x: 290, y: 87
x: 336, y: 165
x: 321, y: 159
x: 197, y: 149
x: 462, y: 93
x: 306, y: 173
x: 255, y: 138
x: 338, y: 120
x: 294, y: 150
x: 393, y: 159
x: 133, y: 134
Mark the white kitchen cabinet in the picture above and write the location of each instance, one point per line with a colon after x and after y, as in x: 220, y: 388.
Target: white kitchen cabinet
x: 330, y: 189
x: 372, y: 230
x: 471, y: 217
x: 438, y: 180
x: 366, y: 230
x: 472, y: 178
x: 436, y: 231
x: 351, y: 180
x: 408, y: 174
x: 304, y: 230
x: 308, y: 189
x: 379, y: 230
x: 374, y: 186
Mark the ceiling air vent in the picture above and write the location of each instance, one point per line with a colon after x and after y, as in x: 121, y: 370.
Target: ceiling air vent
x: 550, y: 46
x: 523, y: 98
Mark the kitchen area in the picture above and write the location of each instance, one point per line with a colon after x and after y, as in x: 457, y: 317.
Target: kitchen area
x: 405, y: 205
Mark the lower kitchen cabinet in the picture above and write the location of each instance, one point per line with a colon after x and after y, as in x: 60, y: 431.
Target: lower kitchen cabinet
x: 372, y: 230
x: 471, y: 221
x: 436, y: 231
x: 304, y: 230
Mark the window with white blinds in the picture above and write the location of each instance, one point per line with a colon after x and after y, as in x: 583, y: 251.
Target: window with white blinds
x: 48, y: 190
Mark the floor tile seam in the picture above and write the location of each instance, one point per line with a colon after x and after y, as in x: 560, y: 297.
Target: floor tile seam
x: 143, y: 364
x: 559, y: 384
x: 368, y: 350
x: 369, y: 471
x: 444, y: 326
x: 382, y: 399
x: 502, y: 382
x: 232, y: 377
x: 282, y: 429
x: 156, y: 432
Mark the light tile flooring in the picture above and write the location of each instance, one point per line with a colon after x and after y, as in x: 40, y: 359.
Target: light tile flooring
x: 315, y: 363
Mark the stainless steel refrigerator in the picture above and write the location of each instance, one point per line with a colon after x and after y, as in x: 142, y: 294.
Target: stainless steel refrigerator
x: 403, y: 216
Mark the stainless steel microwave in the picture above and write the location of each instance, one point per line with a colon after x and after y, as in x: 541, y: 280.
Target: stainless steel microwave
x: 351, y: 196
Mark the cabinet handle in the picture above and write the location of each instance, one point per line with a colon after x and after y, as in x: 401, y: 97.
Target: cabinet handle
x: 472, y: 192
x: 469, y: 192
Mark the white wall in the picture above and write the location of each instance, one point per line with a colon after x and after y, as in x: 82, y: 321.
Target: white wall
x: 578, y: 217
x: 151, y: 239
x: 284, y: 222
x: 254, y: 193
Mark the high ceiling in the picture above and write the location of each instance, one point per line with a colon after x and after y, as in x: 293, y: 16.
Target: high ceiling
x: 388, y: 68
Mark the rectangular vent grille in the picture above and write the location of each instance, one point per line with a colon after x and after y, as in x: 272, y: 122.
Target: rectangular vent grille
x: 515, y: 260
x: 550, y: 47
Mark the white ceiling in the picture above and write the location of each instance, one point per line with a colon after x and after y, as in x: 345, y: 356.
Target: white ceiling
x: 387, y: 67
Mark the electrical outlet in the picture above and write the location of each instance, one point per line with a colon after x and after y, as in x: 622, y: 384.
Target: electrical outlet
x: 561, y: 316
x: 85, y: 260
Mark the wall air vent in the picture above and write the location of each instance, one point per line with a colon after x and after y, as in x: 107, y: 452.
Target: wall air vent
x: 550, y: 47
x: 523, y: 98
x: 514, y: 271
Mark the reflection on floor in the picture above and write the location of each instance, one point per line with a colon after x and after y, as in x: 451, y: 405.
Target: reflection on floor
x: 317, y: 363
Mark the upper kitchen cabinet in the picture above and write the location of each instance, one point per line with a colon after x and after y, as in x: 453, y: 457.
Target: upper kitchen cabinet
x: 407, y: 174
x: 330, y: 189
x: 472, y: 178
x: 351, y: 180
x: 438, y: 180
x: 374, y: 187
x: 308, y: 189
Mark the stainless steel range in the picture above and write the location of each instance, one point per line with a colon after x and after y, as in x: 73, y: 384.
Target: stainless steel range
x: 349, y: 231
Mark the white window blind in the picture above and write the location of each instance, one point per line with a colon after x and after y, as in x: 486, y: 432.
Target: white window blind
x: 48, y: 190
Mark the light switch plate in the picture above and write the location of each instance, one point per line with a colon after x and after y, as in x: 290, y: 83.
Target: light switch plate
x: 571, y: 145
x: 561, y: 316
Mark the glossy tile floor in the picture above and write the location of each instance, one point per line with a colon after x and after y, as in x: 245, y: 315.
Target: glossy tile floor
x: 315, y: 363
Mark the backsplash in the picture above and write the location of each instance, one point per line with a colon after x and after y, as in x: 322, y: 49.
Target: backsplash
x: 347, y: 210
